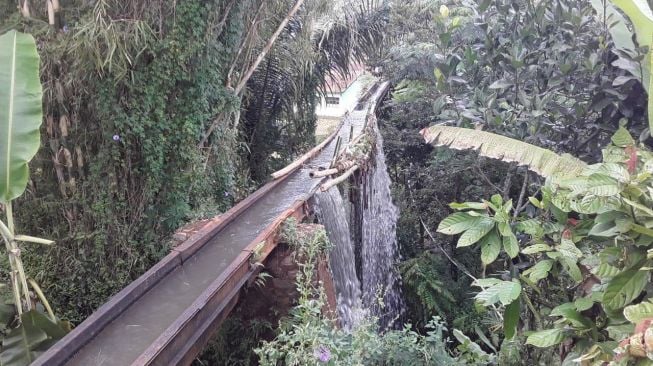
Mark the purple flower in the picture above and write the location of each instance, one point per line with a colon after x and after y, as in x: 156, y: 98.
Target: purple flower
x: 322, y: 353
x: 226, y: 194
x: 116, y: 137
x: 65, y: 29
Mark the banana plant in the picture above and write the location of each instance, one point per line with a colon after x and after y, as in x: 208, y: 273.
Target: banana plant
x: 30, y: 332
x: 539, y: 160
x: 20, y: 102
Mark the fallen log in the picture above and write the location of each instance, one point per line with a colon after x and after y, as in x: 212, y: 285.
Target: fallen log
x: 322, y: 173
x: 356, y: 153
x: 335, y: 181
x: 304, y: 158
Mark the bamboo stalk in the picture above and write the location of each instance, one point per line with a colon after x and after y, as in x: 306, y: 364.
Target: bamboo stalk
x: 24, y: 9
x: 243, y: 82
x: 325, y: 187
x: 21, y: 276
x: 33, y: 239
x: 50, y: 7
x: 15, y: 262
x: 14, y: 278
x: 322, y: 173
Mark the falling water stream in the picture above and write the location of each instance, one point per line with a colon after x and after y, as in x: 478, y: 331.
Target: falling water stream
x: 378, y: 293
x: 331, y: 213
x: 379, y: 252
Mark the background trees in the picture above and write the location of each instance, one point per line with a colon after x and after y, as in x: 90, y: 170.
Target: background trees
x: 144, y: 130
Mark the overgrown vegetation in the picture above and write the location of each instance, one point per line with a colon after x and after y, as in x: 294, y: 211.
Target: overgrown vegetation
x: 25, y: 329
x: 584, y: 250
x: 156, y: 114
x: 308, y: 337
x: 143, y: 129
x: 547, y: 73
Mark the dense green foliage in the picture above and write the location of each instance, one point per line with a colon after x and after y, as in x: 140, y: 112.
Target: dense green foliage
x: 146, y: 128
x: 587, y: 242
x: 310, y: 338
x: 116, y: 145
x: 540, y: 72
x: 142, y: 131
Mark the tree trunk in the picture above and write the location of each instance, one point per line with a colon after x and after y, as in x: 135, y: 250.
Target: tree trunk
x: 268, y: 46
x: 257, y: 62
x: 24, y: 9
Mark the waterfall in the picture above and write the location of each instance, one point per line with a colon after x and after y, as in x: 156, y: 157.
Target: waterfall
x: 330, y: 210
x: 379, y: 252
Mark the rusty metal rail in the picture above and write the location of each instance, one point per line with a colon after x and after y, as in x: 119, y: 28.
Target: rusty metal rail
x: 181, y: 341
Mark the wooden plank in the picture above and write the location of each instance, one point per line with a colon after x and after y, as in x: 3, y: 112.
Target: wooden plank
x: 205, y: 331
x: 204, y: 235
x: 178, y: 344
x: 175, y: 339
x: 65, y: 348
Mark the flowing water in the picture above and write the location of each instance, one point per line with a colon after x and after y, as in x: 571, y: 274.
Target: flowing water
x: 378, y: 291
x: 379, y: 252
x: 330, y: 210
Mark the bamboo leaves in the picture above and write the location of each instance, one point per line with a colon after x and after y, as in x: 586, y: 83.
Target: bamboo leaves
x: 20, y: 111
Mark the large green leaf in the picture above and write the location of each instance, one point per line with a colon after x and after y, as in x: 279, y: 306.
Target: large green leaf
x: 542, y: 161
x: 33, y: 336
x: 568, y: 249
x: 603, y: 186
x: 536, y: 248
x: 496, y: 290
x: 625, y: 287
x: 20, y: 111
x: 540, y: 270
x: 546, y: 338
x: 476, y: 232
x: 605, y: 270
x: 569, y: 313
x: 19, y: 347
x: 456, y: 223
x: 511, y: 245
x: 511, y: 319
x: 490, y: 247
x: 621, y: 35
x: 639, y: 312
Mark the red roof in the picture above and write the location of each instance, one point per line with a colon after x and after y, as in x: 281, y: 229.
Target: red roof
x: 337, y: 83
